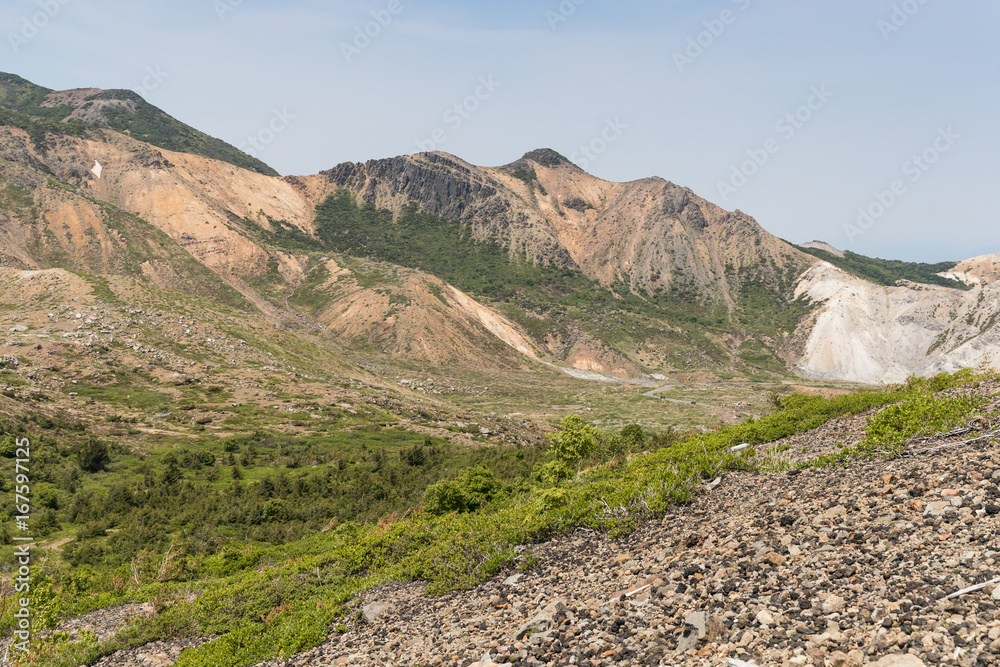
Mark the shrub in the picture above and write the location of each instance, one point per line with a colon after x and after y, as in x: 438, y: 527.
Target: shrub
x: 8, y: 447
x: 414, y: 456
x: 923, y: 415
x: 575, y: 440
x: 93, y: 455
x: 471, y: 490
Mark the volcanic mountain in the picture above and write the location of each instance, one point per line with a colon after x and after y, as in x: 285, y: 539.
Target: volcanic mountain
x: 429, y: 259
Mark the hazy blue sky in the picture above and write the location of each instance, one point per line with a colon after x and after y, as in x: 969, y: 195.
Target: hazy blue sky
x: 895, y: 79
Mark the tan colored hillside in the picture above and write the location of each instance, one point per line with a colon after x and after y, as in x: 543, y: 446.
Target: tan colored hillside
x: 977, y: 271
x: 649, y: 234
x: 648, y: 238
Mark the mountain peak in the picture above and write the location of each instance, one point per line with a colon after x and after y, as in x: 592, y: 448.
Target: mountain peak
x: 823, y: 245
x: 546, y: 157
x: 41, y: 110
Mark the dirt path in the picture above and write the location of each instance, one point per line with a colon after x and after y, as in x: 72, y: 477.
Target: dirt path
x: 654, y: 392
x: 59, y: 544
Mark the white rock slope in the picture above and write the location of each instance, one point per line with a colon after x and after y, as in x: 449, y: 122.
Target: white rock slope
x: 873, y: 334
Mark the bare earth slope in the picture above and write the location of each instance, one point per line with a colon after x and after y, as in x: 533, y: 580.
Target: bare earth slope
x: 185, y: 208
x: 869, y: 333
x: 977, y: 271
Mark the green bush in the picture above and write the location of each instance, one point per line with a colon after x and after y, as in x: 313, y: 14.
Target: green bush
x: 919, y: 416
x: 470, y: 491
x: 8, y: 447
x: 575, y: 440
x: 93, y: 455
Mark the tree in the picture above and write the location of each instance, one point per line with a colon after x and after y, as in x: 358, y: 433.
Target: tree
x: 8, y: 447
x: 92, y: 455
x: 634, y: 436
x: 575, y: 440
x: 472, y: 489
x: 414, y: 456
x: 171, y: 473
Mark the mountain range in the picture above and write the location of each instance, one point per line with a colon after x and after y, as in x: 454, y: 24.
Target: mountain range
x: 531, y: 266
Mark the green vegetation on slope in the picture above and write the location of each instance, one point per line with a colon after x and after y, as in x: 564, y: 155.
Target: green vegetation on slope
x: 888, y: 271
x: 265, y: 601
x: 548, y: 299
x: 446, y: 249
x: 21, y: 106
x: 265, y: 487
x: 152, y: 125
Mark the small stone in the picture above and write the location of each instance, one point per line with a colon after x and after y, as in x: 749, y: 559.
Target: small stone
x: 543, y: 620
x: 699, y: 621
x: 937, y: 508
x: 834, y: 604
x: 764, y: 617
x: 774, y: 558
x: 899, y: 661
x: 832, y: 514
x: 838, y: 659
x: 373, y: 610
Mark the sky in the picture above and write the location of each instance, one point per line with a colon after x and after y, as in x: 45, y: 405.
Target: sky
x: 869, y: 124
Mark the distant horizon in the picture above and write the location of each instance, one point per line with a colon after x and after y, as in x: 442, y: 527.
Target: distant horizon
x: 865, y: 124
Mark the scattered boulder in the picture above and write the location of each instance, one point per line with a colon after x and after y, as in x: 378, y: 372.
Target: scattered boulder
x: 899, y: 661
x: 373, y: 610
x: 834, y: 604
x: 543, y: 620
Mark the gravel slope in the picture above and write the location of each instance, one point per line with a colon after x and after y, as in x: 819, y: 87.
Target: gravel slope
x: 837, y: 567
